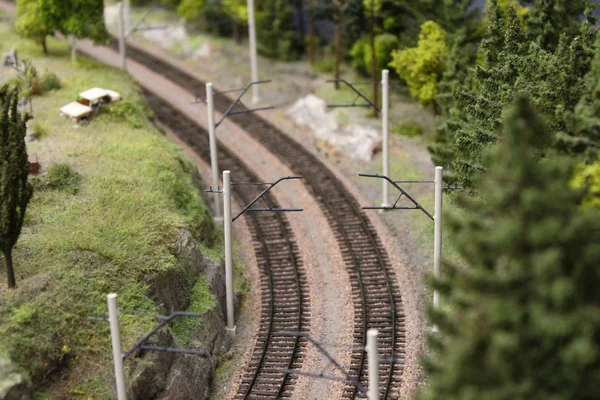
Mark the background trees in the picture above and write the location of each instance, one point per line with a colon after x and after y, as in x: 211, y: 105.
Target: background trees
x: 39, y: 18
x: 523, y: 315
x: 15, y: 190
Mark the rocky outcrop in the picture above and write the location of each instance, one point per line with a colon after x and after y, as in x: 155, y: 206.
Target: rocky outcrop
x: 169, y: 376
x: 14, y: 384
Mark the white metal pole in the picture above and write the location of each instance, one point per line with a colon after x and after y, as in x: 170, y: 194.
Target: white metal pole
x: 214, y: 161
x: 127, y: 16
x: 385, y: 105
x: 373, y: 392
x: 228, y: 257
x: 115, y: 334
x: 122, y: 36
x: 437, y: 235
x: 253, y: 55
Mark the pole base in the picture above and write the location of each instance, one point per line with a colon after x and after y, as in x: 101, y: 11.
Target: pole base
x: 383, y: 205
x: 435, y: 329
x: 231, y: 331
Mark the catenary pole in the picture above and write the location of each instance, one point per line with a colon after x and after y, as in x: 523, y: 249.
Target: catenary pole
x: 385, y: 105
x: 253, y: 55
x: 115, y: 334
x: 373, y: 356
x: 122, y: 36
x: 127, y: 9
x: 437, y: 235
x: 227, y: 221
x: 214, y: 161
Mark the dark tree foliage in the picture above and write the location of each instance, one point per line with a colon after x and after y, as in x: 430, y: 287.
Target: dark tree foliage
x: 513, y: 64
x: 585, y: 120
x: 15, y: 190
x: 355, y: 23
x: 548, y: 20
x: 276, y: 30
x: 523, y: 315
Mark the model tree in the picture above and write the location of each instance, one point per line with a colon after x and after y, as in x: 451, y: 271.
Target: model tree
x: 39, y: 18
x: 523, y: 315
x: 15, y: 190
x: 372, y: 10
x: 33, y: 22
x: 512, y: 64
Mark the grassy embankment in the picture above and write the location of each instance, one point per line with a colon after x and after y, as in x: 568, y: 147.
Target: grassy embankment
x: 100, y: 223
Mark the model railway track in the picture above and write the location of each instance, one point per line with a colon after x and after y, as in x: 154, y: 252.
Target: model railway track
x: 376, y: 295
x: 284, y: 295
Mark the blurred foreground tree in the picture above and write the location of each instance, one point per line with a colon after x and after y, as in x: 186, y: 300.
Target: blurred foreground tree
x: 522, y: 317
x: 15, y: 190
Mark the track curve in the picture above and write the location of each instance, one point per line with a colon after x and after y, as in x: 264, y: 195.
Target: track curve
x: 284, y: 293
x: 376, y: 295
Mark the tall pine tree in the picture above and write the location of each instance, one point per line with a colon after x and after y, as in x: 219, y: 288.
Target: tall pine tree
x: 523, y: 315
x: 15, y: 190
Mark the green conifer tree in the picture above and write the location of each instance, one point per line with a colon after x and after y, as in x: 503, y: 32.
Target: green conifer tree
x: 522, y: 317
x: 276, y: 33
x: 548, y: 20
x: 511, y: 64
x: 15, y: 190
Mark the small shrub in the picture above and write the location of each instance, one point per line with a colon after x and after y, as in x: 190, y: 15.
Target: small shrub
x: 408, y: 128
x: 129, y: 111
x: 325, y: 65
x: 39, y: 131
x: 50, y: 81
x: 385, y: 44
x: 422, y: 66
x: 58, y: 177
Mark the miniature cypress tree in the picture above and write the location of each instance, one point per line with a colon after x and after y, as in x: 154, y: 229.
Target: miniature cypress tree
x: 15, y: 190
x: 523, y: 315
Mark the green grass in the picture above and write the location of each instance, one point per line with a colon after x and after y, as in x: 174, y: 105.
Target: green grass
x: 133, y: 193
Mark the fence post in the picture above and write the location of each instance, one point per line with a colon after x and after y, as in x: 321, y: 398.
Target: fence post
x: 227, y: 221
x: 385, y: 106
x: 373, y: 392
x: 437, y: 235
x: 253, y: 55
x: 115, y: 334
x: 214, y: 161
x: 122, y: 34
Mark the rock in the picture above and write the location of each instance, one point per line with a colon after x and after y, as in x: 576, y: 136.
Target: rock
x: 14, y: 384
x: 203, y: 52
x: 11, y: 59
x: 178, y: 377
x: 354, y: 140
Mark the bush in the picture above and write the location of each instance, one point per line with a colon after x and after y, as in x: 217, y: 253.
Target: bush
x: 128, y: 111
x: 59, y: 177
x: 49, y: 81
x: 408, y: 128
x: 422, y: 67
x: 39, y: 131
x: 385, y: 44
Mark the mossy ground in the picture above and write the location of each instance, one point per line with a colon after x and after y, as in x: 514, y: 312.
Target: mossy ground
x: 134, y: 192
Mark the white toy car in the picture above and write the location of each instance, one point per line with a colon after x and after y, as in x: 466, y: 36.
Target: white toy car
x: 89, y: 102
